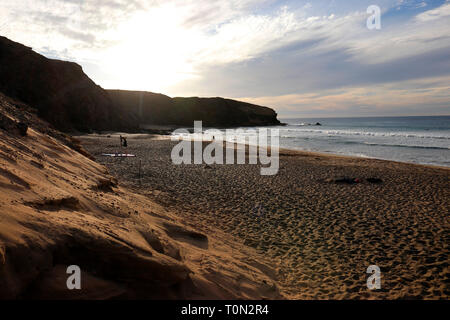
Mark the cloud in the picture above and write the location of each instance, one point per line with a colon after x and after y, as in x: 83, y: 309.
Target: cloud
x: 424, y: 97
x: 435, y: 14
x: 318, y: 54
x: 240, y: 48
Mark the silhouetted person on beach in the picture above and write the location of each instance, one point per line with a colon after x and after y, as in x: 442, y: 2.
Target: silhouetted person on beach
x: 123, y: 141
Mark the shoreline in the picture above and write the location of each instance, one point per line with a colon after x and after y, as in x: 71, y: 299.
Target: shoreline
x: 281, y: 149
x: 319, y: 235
x: 318, y: 153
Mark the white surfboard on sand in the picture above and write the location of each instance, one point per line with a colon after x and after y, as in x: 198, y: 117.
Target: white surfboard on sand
x: 119, y: 155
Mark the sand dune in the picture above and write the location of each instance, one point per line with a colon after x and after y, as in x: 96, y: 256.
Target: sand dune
x: 59, y: 208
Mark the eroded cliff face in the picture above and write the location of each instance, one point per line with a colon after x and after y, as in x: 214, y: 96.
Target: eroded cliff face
x: 59, y: 208
x: 69, y: 100
x: 61, y: 92
x: 152, y: 108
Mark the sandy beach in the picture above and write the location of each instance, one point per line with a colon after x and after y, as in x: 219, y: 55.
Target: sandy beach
x: 318, y: 234
x: 245, y: 151
x: 58, y: 208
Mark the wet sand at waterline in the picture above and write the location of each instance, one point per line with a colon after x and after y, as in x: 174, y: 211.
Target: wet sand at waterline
x: 319, y: 235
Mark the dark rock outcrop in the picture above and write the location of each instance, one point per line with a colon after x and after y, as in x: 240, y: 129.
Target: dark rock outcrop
x: 152, y: 108
x: 68, y: 99
x: 61, y: 92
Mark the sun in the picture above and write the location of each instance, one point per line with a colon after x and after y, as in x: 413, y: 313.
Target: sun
x: 153, y: 51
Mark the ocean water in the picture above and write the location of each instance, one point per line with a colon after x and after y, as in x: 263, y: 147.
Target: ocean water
x: 424, y: 140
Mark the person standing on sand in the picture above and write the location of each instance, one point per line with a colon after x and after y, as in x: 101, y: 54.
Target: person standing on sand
x: 123, y: 141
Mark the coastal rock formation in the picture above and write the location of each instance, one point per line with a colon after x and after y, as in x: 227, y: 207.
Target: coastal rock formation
x: 68, y: 99
x: 152, y: 108
x: 59, y: 208
x: 61, y: 92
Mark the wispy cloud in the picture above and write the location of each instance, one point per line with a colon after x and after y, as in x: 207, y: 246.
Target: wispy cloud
x: 248, y: 48
x: 435, y: 14
x: 415, y: 97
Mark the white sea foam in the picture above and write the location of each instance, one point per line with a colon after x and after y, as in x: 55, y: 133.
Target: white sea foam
x: 375, y: 134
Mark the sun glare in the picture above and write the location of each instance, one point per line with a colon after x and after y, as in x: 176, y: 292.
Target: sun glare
x: 152, y: 51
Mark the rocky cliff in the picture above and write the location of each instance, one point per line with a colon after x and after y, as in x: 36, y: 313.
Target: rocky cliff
x: 59, y: 90
x: 67, y: 98
x: 152, y: 108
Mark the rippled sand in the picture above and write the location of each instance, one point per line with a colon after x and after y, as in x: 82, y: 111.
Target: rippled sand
x: 319, y: 235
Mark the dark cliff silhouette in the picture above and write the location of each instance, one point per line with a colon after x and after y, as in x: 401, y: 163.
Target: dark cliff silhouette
x: 68, y: 99
x: 153, y: 108
x: 59, y: 90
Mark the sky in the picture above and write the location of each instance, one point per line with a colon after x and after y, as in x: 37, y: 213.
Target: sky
x: 301, y: 58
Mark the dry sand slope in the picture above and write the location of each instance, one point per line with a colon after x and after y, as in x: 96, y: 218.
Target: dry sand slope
x: 319, y: 235
x: 58, y: 208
